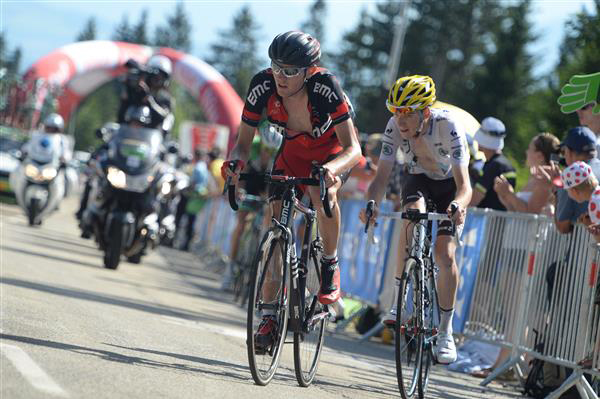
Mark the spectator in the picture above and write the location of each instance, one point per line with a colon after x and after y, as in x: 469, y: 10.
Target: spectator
x: 592, y: 121
x: 579, y: 145
x: 192, y: 200
x: 490, y: 137
x: 535, y: 196
x: 215, y: 161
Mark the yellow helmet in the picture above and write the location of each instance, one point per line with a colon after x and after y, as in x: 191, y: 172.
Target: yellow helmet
x: 411, y: 93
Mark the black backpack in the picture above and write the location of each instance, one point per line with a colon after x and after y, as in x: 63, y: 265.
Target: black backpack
x: 545, y: 377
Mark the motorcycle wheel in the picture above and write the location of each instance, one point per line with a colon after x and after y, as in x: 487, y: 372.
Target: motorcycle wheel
x: 33, y: 210
x: 112, y: 254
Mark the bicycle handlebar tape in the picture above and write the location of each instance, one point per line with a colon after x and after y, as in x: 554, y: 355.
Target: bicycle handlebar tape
x: 231, y: 188
x: 323, y: 192
x: 369, y: 213
x: 453, y: 207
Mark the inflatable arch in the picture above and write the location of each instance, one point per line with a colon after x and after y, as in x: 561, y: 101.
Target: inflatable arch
x: 80, y: 68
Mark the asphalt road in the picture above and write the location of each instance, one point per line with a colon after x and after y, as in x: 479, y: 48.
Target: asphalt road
x: 162, y: 329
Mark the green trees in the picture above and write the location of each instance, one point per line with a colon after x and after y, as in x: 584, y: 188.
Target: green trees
x: 314, y: 25
x: 579, y: 55
x: 176, y: 32
x: 235, y: 54
x: 88, y: 32
x: 476, y: 52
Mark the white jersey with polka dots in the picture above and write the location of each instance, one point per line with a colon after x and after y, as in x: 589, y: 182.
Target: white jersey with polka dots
x: 446, y: 141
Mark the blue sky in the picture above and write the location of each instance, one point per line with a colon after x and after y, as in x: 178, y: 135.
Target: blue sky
x: 38, y: 27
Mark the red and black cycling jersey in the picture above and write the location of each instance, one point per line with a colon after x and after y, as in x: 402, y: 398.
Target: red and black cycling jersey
x: 326, y: 103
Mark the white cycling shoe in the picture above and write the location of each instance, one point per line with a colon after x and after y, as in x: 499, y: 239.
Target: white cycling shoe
x: 445, y: 350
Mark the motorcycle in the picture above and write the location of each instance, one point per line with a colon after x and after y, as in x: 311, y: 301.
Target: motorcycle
x: 126, y: 192
x: 39, y: 180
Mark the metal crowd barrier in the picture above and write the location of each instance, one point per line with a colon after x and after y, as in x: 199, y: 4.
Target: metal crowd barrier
x: 523, y: 286
x: 534, y: 294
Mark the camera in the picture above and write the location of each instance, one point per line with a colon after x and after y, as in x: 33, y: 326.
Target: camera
x: 135, y: 74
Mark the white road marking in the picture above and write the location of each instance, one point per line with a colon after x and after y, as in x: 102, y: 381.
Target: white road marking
x: 236, y: 333
x: 31, y: 371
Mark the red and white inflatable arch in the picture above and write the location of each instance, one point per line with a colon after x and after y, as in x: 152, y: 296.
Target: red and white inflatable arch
x: 82, y: 67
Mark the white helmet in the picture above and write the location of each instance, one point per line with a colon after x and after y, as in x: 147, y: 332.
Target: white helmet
x: 161, y: 63
x: 54, y: 121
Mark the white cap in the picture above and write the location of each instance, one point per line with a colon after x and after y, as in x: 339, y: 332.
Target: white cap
x: 491, y: 134
x: 575, y: 174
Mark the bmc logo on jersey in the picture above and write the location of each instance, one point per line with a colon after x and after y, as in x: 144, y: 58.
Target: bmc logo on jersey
x: 319, y: 131
x: 258, y: 91
x: 326, y: 92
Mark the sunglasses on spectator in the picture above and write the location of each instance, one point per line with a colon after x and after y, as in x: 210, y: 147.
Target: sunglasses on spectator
x: 495, y: 133
x: 287, y: 72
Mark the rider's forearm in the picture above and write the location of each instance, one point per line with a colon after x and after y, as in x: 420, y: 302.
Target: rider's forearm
x: 463, y: 195
x: 346, y: 160
x: 378, y: 186
x: 241, y: 150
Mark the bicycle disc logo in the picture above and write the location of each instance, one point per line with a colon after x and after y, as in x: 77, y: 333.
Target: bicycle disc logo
x: 581, y: 91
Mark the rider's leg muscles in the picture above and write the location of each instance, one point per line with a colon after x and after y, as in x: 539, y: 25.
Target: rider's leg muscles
x: 270, y: 288
x: 329, y: 227
x: 237, y: 233
x: 445, y: 249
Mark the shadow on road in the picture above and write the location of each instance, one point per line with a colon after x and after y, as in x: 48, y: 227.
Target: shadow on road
x: 236, y: 374
x: 45, y: 255
x: 117, y: 301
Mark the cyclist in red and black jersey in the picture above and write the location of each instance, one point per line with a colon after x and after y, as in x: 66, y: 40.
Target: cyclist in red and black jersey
x: 306, y: 104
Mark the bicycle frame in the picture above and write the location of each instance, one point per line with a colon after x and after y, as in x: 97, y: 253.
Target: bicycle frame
x: 299, y: 321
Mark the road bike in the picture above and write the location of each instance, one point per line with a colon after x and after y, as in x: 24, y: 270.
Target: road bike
x: 418, y: 313
x: 285, y: 287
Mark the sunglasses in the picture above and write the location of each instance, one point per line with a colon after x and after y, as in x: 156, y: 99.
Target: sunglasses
x: 287, y: 72
x: 403, y: 110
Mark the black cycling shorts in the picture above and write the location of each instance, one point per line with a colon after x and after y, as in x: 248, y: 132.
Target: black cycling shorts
x: 439, y: 192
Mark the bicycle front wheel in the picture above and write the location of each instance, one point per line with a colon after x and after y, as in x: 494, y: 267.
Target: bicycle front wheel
x: 308, y: 344
x: 267, y: 303
x: 409, y: 338
x: 431, y: 322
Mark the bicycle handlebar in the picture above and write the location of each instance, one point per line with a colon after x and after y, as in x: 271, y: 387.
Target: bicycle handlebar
x: 282, y: 180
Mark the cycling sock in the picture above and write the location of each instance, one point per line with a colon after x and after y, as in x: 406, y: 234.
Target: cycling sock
x: 328, y: 267
x: 446, y: 320
x: 330, y: 257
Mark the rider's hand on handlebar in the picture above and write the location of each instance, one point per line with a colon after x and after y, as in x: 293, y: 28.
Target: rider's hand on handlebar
x: 329, y: 176
x: 363, y: 215
x: 456, y: 213
x: 226, y: 169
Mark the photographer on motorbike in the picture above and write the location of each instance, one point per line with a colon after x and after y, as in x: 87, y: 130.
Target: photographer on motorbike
x: 146, y: 85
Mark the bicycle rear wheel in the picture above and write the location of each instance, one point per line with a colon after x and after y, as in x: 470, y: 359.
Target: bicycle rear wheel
x: 308, y: 344
x: 409, y: 338
x: 431, y: 322
x: 268, y: 294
